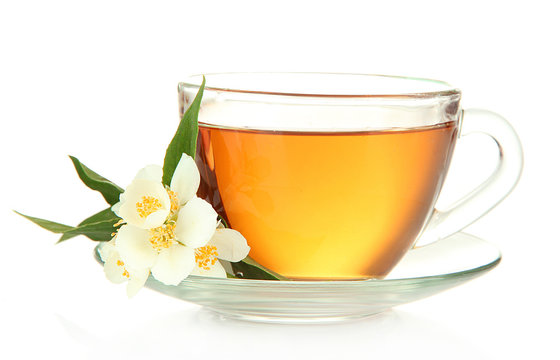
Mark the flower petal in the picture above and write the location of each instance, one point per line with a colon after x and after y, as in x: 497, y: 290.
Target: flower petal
x: 107, y: 249
x: 216, y: 270
x: 174, y: 264
x: 186, y: 179
x: 134, y: 194
x: 114, y: 269
x: 230, y: 244
x: 196, y: 223
x: 137, y: 280
x: 150, y: 172
x: 155, y: 219
x: 134, y: 247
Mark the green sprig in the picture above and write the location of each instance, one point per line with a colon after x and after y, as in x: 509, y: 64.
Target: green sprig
x: 102, y: 225
x: 185, y: 138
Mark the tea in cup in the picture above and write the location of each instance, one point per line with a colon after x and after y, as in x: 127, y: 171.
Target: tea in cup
x: 336, y: 176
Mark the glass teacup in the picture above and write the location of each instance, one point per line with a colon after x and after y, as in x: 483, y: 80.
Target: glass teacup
x: 336, y: 176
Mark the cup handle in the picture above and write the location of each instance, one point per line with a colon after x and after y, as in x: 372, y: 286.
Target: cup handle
x: 487, y: 195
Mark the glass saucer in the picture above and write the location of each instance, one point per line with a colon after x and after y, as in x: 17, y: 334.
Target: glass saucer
x: 422, y: 272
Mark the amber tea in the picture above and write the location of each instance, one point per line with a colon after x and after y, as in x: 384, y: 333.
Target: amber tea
x: 336, y: 176
x: 318, y: 205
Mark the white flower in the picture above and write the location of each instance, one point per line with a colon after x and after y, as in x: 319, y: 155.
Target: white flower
x: 117, y: 272
x: 186, y: 240
x: 226, y: 244
x: 169, y: 250
x: 147, y: 204
x: 191, y: 246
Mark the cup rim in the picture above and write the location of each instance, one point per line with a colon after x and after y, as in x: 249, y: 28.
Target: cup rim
x: 447, y: 90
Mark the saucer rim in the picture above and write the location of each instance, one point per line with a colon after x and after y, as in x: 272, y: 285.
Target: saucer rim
x: 197, y: 279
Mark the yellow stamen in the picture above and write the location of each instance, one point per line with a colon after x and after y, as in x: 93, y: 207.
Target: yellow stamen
x: 147, y: 206
x: 163, y: 237
x: 206, y: 256
x: 125, y: 272
x: 118, y: 223
x: 174, y: 201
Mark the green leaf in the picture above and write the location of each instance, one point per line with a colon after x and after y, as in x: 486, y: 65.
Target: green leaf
x: 46, y: 224
x: 97, y: 231
x: 94, y: 181
x: 184, y: 140
x: 250, y: 269
x: 106, y: 214
x: 223, y: 220
x: 103, y: 215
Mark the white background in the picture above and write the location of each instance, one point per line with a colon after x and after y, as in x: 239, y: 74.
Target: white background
x: 98, y: 80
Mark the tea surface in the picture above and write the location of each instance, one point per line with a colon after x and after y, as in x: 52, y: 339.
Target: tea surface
x: 325, y: 205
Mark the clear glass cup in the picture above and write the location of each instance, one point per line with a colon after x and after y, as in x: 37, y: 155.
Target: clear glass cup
x: 336, y: 176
